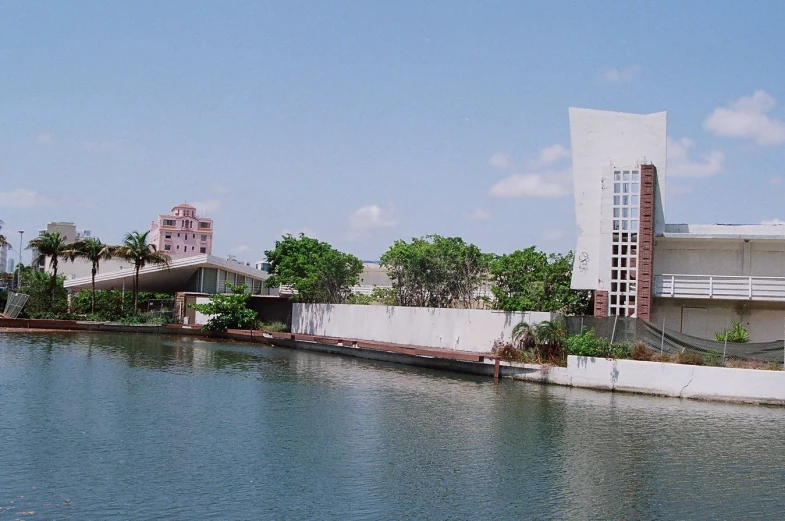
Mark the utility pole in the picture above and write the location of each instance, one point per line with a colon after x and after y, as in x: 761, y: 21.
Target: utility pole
x: 19, y: 268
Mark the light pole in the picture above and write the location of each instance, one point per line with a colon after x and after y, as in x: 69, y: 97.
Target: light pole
x: 19, y: 278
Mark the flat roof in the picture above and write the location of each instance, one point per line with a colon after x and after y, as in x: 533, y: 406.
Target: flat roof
x: 775, y: 232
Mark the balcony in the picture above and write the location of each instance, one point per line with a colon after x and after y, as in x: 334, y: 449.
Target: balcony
x: 720, y: 287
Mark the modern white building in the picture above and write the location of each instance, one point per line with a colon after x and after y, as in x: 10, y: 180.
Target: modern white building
x: 3, y: 257
x: 696, y: 279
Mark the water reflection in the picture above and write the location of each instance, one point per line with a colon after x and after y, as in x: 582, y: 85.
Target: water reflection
x: 140, y: 427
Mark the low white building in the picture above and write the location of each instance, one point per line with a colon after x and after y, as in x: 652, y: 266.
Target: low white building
x: 696, y: 279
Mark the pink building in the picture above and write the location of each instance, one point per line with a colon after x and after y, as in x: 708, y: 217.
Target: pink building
x: 182, y: 234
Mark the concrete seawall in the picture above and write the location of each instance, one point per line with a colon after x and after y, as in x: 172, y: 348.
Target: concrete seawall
x: 664, y: 379
x: 652, y: 378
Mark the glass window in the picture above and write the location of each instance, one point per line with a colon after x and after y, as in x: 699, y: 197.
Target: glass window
x: 625, y: 212
x: 635, y: 188
x: 616, y: 212
x: 617, y: 175
x: 616, y: 188
x: 626, y: 188
x: 167, y: 247
x: 625, y: 225
x: 204, y: 237
x: 616, y: 200
x: 634, y: 200
x: 634, y: 225
x: 625, y: 200
x: 635, y: 176
x: 615, y: 224
x: 626, y: 176
x: 634, y: 213
x: 202, y: 250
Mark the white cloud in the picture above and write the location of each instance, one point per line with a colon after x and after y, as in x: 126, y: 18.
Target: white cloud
x: 207, y: 206
x: 553, y: 234
x: 22, y: 198
x: 546, y: 184
x: 239, y: 250
x: 46, y: 138
x: 117, y: 146
x: 747, y: 117
x: 776, y: 180
x: 681, y: 165
x: 550, y: 155
x: 371, y: 217
x: 477, y: 215
x: 772, y: 221
x: 219, y: 188
x: 621, y: 75
x: 500, y: 161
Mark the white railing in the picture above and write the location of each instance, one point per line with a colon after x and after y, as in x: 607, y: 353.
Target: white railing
x: 720, y: 287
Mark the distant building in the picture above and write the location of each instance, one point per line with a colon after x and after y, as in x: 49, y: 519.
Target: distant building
x: 11, y: 265
x: 3, y: 257
x: 66, y: 230
x: 182, y: 233
x: 696, y: 279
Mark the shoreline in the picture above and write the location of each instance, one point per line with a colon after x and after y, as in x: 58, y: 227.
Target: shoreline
x: 718, y: 384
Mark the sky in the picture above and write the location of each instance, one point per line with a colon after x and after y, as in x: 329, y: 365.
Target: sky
x: 360, y: 123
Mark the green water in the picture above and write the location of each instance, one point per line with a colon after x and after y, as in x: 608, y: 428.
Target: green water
x: 144, y: 427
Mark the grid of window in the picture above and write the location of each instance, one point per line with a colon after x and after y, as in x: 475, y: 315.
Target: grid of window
x: 624, y: 257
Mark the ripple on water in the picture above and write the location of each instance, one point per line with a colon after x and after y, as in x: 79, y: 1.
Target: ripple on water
x: 140, y: 427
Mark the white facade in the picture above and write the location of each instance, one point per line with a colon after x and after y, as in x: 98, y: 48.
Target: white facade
x: 698, y: 279
x: 3, y: 257
x: 603, y: 143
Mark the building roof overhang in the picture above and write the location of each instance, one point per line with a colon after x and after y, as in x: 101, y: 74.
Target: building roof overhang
x: 757, y: 232
x: 163, y: 279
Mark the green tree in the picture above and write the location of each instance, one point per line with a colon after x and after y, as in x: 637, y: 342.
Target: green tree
x: 136, y: 249
x: 95, y: 251
x: 2, y: 237
x: 54, y: 246
x: 43, y: 301
x: 435, y: 271
x: 317, y: 271
x: 530, y: 280
x: 228, y: 311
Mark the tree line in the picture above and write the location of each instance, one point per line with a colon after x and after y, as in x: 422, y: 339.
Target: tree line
x: 54, y: 247
x: 430, y: 271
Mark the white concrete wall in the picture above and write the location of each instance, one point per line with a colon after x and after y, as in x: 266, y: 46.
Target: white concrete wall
x: 719, y: 257
x: 201, y: 319
x: 667, y: 379
x: 461, y: 329
x: 601, y: 140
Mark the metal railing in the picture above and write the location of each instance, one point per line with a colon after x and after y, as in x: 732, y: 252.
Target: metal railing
x: 720, y: 287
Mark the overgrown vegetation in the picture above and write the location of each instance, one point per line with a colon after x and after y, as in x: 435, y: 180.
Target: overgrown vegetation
x: 228, y: 311
x: 736, y: 333
x: 275, y: 326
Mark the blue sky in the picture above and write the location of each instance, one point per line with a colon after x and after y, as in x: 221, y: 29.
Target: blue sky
x: 364, y: 122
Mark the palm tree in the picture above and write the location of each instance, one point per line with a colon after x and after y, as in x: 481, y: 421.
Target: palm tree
x: 551, y: 335
x: 136, y: 249
x: 92, y: 250
x: 54, y: 246
x: 524, y: 335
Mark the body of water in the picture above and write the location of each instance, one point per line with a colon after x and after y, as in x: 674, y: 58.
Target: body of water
x: 100, y: 426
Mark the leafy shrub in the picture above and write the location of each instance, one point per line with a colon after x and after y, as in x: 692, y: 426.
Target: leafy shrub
x: 586, y: 343
x: 228, y: 311
x: 773, y: 366
x: 621, y: 350
x: 641, y: 352
x: 275, y: 326
x: 360, y: 299
x: 662, y: 357
x: 736, y: 333
x: 688, y: 358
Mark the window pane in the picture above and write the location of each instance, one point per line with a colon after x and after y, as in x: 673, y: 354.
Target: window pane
x: 625, y: 212
x: 624, y: 225
x: 634, y: 225
x: 635, y: 176
x: 615, y: 212
x: 616, y: 200
x: 625, y: 200
x: 634, y: 213
x: 626, y: 187
x: 616, y: 188
x: 634, y: 200
x: 635, y: 188
x: 626, y: 176
x: 615, y: 224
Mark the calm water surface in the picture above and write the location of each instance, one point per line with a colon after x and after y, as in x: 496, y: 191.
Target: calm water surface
x: 144, y: 427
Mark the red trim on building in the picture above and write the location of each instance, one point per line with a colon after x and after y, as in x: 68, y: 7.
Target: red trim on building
x: 643, y: 302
